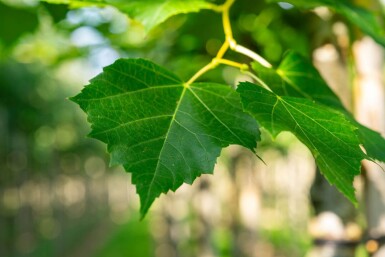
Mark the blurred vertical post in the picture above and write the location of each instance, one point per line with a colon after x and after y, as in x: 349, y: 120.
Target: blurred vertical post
x: 370, y: 111
x: 369, y: 107
x: 369, y: 99
x: 240, y: 166
x: 334, y: 231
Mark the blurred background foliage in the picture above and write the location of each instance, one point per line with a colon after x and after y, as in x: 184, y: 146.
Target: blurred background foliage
x: 59, y: 197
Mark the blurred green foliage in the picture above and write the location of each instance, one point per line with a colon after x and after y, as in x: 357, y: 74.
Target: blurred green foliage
x: 131, y: 239
x: 10, y: 31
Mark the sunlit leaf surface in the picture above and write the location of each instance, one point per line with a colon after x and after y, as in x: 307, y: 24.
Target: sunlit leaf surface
x: 327, y: 133
x: 163, y: 131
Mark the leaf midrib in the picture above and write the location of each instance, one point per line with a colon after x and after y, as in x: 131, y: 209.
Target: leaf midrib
x: 173, y: 119
x: 162, y: 149
x: 321, y: 126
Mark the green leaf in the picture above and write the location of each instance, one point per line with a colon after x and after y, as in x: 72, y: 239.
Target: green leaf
x: 327, y: 133
x: 297, y: 77
x: 163, y: 131
x: 366, y: 20
x: 150, y: 13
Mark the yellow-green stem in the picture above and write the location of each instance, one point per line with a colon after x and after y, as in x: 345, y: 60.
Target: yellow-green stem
x: 238, y: 65
x: 256, y: 57
x: 202, y: 71
x: 260, y: 82
x: 229, y: 43
x: 223, y: 49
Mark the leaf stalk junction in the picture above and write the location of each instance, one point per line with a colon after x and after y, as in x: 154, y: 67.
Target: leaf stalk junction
x: 231, y: 44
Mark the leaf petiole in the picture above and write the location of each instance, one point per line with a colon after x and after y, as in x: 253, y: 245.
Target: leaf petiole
x: 257, y: 79
x: 223, y: 49
x: 241, y: 66
x: 256, y: 57
x: 231, y: 41
x: 202, y: 71
x: 226, y: 20
x: 213, y: 64
x: 232, y: 44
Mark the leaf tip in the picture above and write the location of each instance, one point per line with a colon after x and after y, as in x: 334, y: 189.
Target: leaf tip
x: 75, y: 98
x: 72, y: 98
x: 144, y: 210
x: 142, y: 215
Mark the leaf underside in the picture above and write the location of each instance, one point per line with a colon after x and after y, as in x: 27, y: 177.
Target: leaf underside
x: 327, y: 133
x: 163, y: 132
x: 150, y: 13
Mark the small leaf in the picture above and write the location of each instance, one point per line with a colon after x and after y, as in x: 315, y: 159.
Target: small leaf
x: 162, y: 131
x: 297, y: 77
x: 366, y: 20
x: 327, y: 133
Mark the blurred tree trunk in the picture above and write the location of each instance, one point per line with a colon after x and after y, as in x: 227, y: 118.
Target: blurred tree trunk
x: 369, y: 99
x: 370, y: 110
x: 333, y: 229
x: 240, y: 166
x: 235, y: 224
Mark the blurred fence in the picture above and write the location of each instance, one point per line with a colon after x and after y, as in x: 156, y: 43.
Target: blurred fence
x: 247, y: 208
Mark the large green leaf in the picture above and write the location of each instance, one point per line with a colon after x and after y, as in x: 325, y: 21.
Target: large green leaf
x: 163, y: 131
x: 148, y: 12
x: 297, y: 77
x: 327, y: 133
x: 366, y: 20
